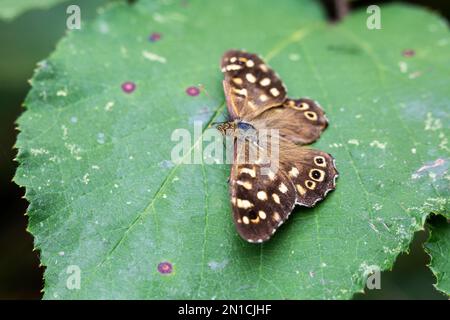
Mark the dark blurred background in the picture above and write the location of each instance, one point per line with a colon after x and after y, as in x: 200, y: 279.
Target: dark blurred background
x: 31, y: 37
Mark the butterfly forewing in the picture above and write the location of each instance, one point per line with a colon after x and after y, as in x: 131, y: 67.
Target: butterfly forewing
x: 250, y: 86
x: 261, y: 203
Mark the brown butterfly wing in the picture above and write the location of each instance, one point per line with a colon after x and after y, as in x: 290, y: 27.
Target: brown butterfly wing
x: 300, y: 121
x: 260, y: 203
x: 250, y: 86
x: 312, y: 172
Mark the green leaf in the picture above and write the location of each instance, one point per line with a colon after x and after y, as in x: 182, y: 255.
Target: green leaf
x: 105, y: 197
x: 10, y: 9
x: 438, y: 247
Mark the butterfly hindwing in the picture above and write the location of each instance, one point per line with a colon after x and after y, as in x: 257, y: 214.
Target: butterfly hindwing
x: 312, y: 172
x: 261, y: 203
x: 300, y: 121
x: 250, y: 86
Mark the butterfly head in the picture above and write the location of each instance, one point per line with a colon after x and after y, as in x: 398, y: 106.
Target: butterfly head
x: 226, y: 128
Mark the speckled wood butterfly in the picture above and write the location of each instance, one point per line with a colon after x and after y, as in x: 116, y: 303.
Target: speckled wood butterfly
x: 256, y: 100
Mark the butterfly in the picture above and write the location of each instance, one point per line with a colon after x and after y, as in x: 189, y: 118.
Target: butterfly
x: 262, y: 199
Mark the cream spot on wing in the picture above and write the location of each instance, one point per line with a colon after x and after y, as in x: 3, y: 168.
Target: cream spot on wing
x: 233, y: 59
x: 265, y: 82
x: 300, y: 189
x: 249, y: 63
x: 294, y: 172
x: 233, y: 67
x: 239, y: 221
x: 276, y: 216
x: 275, y: 92
x: 271, y: 175
x: 250, y: 78
x: 244, y: 204
x: 291, y: 103
x: 245, y: 219
x: 263, y: 67
x: 241, y: 91
x: 283, y: 188
x: 237, y: 81
x: 256, y: 220
x: 262, y: 195
x: 263, y: 98
x: 276, y: 198
x: 233, y: 200
x: 247, y: 185
x: 262, y: 214
x: 248, y: 171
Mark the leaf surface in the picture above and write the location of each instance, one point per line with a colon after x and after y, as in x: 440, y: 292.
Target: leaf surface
x: 105, y: 197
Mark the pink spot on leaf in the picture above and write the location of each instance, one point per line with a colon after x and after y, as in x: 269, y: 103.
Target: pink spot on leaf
x: 155, y: 36
x: 408, y: 53
x: 193, y: 91
x: 128, y: 87
x: 165, y: 267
